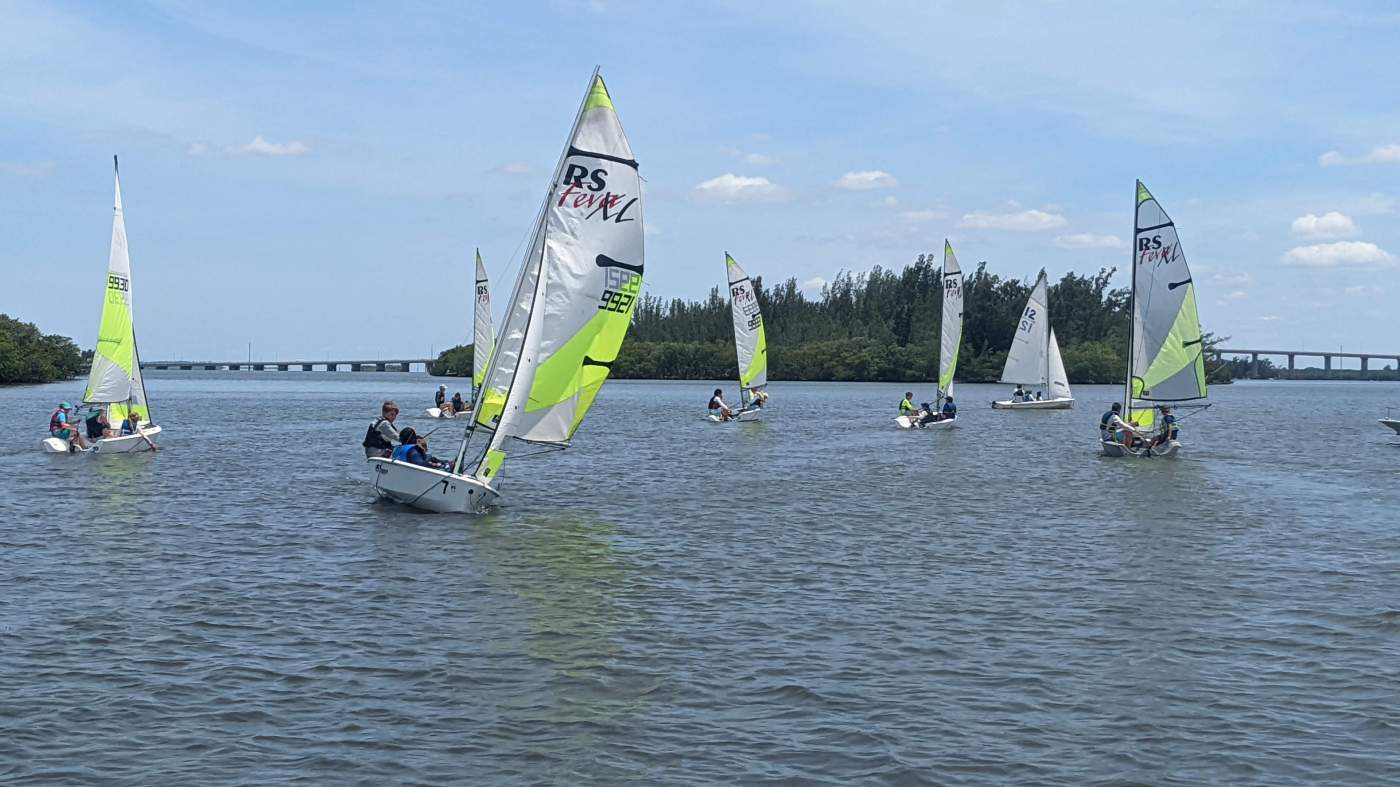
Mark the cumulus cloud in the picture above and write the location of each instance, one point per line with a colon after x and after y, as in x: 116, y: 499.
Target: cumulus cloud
x: 814, y: 284
x: 922, y: 216
x: 1088, y: 240
x: 1381, y: 154
x: 1341, y: 254
x: 738, y: 188
x: 866, y: 180
x: 1024, y: 221
x: 1329, y: 225
x: 261, y: 147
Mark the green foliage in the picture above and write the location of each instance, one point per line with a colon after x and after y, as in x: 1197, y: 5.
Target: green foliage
x: 27, y: 356
x: 454, y: 362
x: 882, y: 325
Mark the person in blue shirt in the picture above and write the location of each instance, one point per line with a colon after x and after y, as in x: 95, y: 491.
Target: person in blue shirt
x: 1168, y: 430
x: 950, y: 410
x: 413, y: 449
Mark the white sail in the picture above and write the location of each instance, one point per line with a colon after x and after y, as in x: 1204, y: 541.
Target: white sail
x: 950, y: 337
x: 1059, y: 381
x: 577, y: 290
x: 1028, y: 359
x: 115, y: 378
x: 749, y: 340
x: 1167, y: 360
x: 482, y: 339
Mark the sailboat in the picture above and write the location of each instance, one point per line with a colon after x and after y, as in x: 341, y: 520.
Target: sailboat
x: 949, y: 340
x: 750, y: 342
x: 482, y: 341
x: 115, y: 380
x: 1166, y: 354
x: 565, y: 323
x: 1034, y: 358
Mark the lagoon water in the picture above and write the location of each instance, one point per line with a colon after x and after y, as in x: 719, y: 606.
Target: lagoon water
x: 818, y: 598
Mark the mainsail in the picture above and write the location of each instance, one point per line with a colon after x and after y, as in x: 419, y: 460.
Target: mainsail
x: 482, y: 339
x: 1166, y: 359
x: 1028, y: 359
x: 950, y: 338
x: 749, y: 339
x: 577, y: 289
x: 115, y: 379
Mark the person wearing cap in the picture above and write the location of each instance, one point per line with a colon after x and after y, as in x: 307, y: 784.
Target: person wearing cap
x: 1168, y: 430
x: 382, y: 434
x: 60, y: 427
x: 413, y: 449
x: 440, y: 397
x: 950, y: 410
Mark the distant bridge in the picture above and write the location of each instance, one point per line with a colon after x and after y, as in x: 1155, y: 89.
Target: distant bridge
x: 1292, y: 355
x: 392, y: 365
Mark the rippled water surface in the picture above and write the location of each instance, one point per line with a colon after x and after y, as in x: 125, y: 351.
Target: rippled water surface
x: 816, y: 598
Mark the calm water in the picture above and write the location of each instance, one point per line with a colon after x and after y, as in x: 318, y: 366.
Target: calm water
x: 818, y: 598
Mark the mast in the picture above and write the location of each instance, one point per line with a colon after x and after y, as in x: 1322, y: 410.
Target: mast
x: 1132, y: 306
x: 1045, y: 376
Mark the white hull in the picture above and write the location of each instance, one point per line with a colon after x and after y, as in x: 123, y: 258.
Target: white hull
x: 1116, y: 449
x: 1393, y: 423
x: 434, y: 412
x: 905, y: 422
x: 129, y: 444
x: 742, y: 415
x: 429, y: 489
x: 1042, y: 404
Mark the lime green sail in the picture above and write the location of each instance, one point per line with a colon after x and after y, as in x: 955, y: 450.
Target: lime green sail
x: 115, y: 379
x: 1167, y: 354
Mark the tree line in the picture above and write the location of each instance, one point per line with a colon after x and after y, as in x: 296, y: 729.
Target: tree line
x: 29, y: 356
x: 882, y: 325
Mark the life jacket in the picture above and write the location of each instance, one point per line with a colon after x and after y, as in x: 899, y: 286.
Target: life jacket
x: 1103, y: 422
x: 950, y: 409
x: 906, y: 406
x: 715, y: 403
x: 373, y: 439
x: 411, y: 453
x: 54, y: 423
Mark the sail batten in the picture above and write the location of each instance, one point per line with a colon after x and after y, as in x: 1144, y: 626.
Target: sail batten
x: 115, y: 377
x: 950, y: 335
x: 750, y: 340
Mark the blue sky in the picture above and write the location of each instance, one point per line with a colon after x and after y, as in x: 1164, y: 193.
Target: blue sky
x: 313, y: 177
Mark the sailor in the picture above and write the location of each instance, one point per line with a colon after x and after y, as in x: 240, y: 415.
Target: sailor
x: 1019, y: 395
x: 60, y: 427
x: 413, y: 449
x: 1113, y: 429
x: 381, y: 435
x: 440, y: 397
x: 1037, y: 396
x: 718, y: 407
x: 950, y: 410
x: 906, y: 406
x: 98, y: 426
x: 132, y: 425
x: 457, y: 404
x: 926, y: 414
x: 1168, y: 430
x: 758, y: 397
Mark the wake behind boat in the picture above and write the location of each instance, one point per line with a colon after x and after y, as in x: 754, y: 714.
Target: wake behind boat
x: 1034, y: 358
x: 1166, y: 357
x: 944, y: 413
x: 568, y: 315
x: 114, y: 383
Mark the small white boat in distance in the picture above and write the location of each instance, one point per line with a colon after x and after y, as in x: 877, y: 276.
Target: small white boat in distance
x: 436, y: 412
x: 750, y: 344
x: 1034, y: 358
x: 115, y: 379
x: 949, y: 340
x: 1393, y: 423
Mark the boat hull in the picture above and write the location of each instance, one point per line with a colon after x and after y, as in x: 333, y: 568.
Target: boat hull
x: 1393, y: 423
x: 129, y: 444
x: 905, y: 422
x: 434, y: 412
x: 1042, y: 404
x: 1115, y: 449
x: 742, y: 415
x: 429, y: 489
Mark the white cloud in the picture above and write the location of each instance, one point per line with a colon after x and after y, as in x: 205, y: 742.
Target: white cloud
x: 891, y: 201
x: 1269, y: 318
x: 1329, y: 225
x: 1089, y: 240
x: 1381, y: 154
x: 1345, y: 253
x: 1025, y: 221
x: 261, y: 147
x: 1236, y: 295
x: 26, y: 169
x: 759, y: 159
x: 738, y: 188
x: 1232, y: 278
x: 196, y: 149
x: 922, y: 216
x: 865, y: 180
x: 814, y: 284
x: 515, y: 168
x: 1363, y: 290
